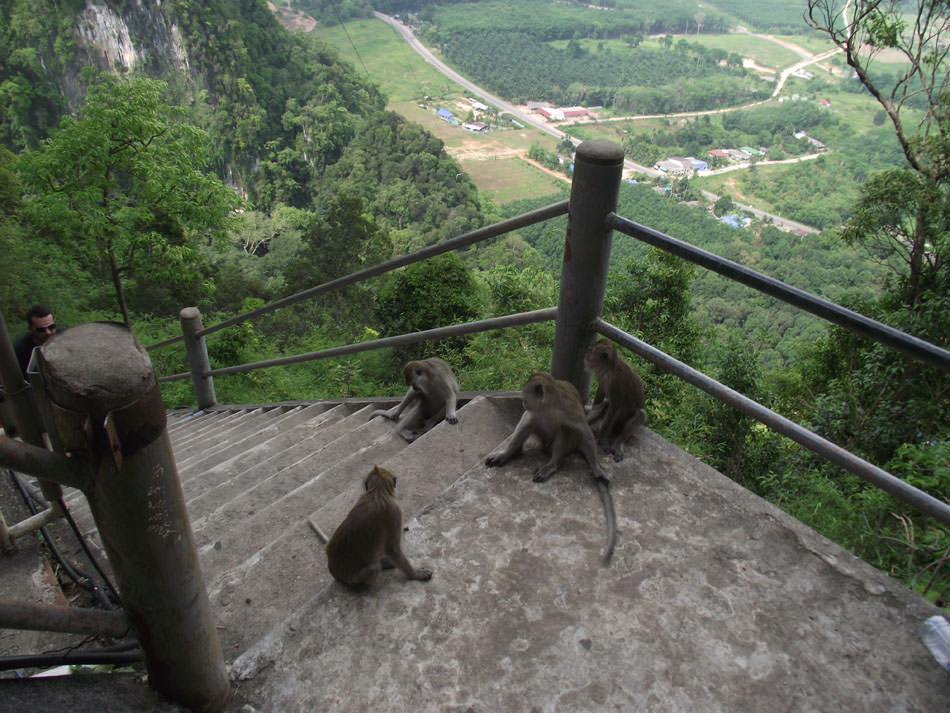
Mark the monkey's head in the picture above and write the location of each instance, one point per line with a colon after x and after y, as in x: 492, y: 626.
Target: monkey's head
x: 534, y: 392
x: 600, y: 356
x: 415, y: 374
x: 380, y: 479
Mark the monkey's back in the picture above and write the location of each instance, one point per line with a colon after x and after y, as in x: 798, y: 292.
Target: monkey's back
x: 360, y: 541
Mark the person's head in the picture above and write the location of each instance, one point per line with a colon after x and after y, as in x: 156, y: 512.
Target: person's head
x: 41, y: 324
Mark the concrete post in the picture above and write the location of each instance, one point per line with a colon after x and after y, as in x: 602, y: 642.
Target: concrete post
x: 198, y: 362
x: 100, y: 376
x: 598, y: 165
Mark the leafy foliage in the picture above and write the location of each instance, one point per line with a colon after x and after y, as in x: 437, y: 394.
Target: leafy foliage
x: 433, y: 293
x: 405, y: 178
x: 122, y: 186
x: 547, y: 20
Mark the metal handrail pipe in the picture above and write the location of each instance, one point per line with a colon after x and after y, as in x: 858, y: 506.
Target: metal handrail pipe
x: 832, y: 452
x: 889, y: 336
x: 42, y: 463
x: 68, y: 620
x: 165, y: 342
x: 512, y: 320
x: 34, y: 522
x: 523, y: 220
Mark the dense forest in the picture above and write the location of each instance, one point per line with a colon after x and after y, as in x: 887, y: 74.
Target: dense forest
x: 510, y: 49
x: 210, y: 157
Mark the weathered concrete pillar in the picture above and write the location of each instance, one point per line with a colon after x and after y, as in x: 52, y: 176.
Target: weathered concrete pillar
x: 99, y: 379
x: 198, y: 361
x: 598, y: 165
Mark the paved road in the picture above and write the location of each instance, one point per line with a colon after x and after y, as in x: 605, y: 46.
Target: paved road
x: 533, y: 120
x: 408, y: 36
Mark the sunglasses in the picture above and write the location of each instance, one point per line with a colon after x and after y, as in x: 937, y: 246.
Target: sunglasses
x: 46, y: 328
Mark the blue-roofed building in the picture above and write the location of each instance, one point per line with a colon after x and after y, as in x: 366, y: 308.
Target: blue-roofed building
x: 446, y: 114
x: 736, y: 220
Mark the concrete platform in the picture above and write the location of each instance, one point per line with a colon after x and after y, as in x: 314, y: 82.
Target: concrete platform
x: 715, y: 600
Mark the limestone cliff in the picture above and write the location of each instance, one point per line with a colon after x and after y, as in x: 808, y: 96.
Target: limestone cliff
x: 121, y: 37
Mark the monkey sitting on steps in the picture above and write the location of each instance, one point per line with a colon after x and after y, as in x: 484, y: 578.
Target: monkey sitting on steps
x: 554, y: 412
x: 370, y: 537
x: 432, y: 396
x: 619, y: 399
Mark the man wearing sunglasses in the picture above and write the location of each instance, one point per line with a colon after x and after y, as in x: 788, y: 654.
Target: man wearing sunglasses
x: 41, y: 327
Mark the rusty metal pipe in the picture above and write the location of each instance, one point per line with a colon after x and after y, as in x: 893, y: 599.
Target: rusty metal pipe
x: 68, y: 620
x: 598, y: 165
x: 39, y: 462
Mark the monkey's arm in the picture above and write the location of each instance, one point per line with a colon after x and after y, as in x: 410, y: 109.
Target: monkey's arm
x: 633, y: 423
x: 596, y: 411
x: 507, y: 449
x: 393, y: 413
x: 450, y: 404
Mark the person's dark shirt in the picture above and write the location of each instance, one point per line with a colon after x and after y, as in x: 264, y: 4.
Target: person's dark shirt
x: 23, y: 347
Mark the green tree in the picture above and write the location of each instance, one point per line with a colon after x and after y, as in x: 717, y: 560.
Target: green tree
x: 921, y: 35
x: 724, y: 205
x: 649, y: 297
x: 122, y: 186
x: 432, y: 293
x: 339, y: 239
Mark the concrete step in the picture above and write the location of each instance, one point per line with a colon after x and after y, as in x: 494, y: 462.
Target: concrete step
x: 246, y: 438
x: 280, y: 574
x: 205, y: 490
x: 230, y: 430
x: 715, y: 601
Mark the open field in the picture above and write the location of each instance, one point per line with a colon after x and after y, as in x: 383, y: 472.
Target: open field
x: 374, y: 46
x: 494, y: 161
x: 763, y: 52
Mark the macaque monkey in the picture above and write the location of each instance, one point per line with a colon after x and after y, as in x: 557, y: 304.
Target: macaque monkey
x: 554, y: 413
x: 370, y: 537
x: 618, y: 401
x: 432, y: 396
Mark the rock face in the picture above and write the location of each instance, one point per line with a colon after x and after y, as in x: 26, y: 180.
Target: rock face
x: 138, y: 36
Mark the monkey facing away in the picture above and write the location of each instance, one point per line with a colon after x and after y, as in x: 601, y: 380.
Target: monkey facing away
x: 618, y: 401
x: 432, y: 396
x: 370, y: 537
x: 554, y: 413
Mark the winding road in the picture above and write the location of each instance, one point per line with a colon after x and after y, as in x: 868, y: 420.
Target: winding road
x: 533, y: 120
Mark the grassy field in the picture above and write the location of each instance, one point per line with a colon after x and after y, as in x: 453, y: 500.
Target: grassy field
x: 494, y: 161
x: 376, y: 48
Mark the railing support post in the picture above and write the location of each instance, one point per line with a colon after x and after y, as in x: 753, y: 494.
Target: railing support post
x: 598, y: 165
x: 198, y: 361
x: 106, y: 404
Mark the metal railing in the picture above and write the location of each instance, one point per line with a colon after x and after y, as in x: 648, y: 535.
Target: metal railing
x: 591, y: 219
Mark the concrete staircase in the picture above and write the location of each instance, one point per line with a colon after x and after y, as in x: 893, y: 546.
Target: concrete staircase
x: 715, y: 600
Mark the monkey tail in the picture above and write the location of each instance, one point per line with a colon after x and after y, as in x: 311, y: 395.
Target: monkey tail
x: 603, y: 486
